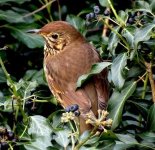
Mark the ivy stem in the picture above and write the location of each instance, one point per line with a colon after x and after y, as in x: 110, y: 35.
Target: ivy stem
x: 105, y: 27
x: 11, y: 148
x: 115, y: 14
x: 145, y: 85
x: 12, y: 86
x: 48, y: 7
x: 124, y: 41
x: 150, y: 75
x: 77, y: 147
x: 23, y: 131
x: 15, y: 93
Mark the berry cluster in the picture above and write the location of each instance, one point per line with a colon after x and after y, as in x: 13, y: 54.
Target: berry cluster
x: 73, y: 108
x: 93, y: 14
x: 136, y: 17
x: 5, y: 137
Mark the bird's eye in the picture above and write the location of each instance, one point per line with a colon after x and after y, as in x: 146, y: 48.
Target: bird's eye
x: 55, y: 36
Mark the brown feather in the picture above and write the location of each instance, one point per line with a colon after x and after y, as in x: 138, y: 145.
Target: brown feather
x: 63, y: 70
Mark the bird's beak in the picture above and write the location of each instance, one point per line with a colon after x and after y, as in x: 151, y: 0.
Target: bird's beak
x: 34, y: 31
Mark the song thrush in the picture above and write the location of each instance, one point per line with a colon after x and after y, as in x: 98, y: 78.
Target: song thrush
x: 67, y: 56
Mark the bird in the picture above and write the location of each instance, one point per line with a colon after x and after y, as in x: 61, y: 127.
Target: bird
x: 67, y: 56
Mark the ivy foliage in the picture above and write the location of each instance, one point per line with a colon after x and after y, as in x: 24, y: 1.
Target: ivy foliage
x: 124, y: 36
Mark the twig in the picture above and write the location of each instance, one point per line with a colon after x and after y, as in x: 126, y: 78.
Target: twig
x: 9, y: 78
x: 59, y: 10
x: 150, y: 74
x: 119, y: 35
x: 105, y: 27
x: 86, y: 139
x: 115, y: 14
x: 39, y: 9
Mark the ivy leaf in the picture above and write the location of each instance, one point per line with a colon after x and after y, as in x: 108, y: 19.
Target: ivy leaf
x: 142, y: 5
x: 151, y: 118
x: 143, y: 34
x: 39, y: 126
x: 16, y: 1
x: 62, y: 138
x: 128, y: 33
x: 25, y: 87
x: 117, y: 101
x: 31, y: 40
x: 2, y: 76
x: 104, y: 3
x: 41, y: 133
x: 117, y: 68
x: 77, y: 22
x: 11, y: 16
x: 96, y: 69
x: 113, y: 41
x: 128, y: 139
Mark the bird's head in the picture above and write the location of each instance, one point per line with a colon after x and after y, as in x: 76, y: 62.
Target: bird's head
x: 57, y: 35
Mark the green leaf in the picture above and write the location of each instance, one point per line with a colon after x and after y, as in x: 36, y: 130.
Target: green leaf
x: 127, y: 138
x: 113, y: 41
x: 35, y: 75
x: 128, y: 33
x: 143, y: 34
x: 152, y: 5
x: 2, y: 76
x: 77, y: 22
x: 40, y: 143
x: 117, y: 101
x: 31, y: 40
x: 109, y: 135
x: 147, y: 136
x: 91, y: 141
x: 25, y: 87
x: 123, y: 15
x: 140, y: 4
x: 41, y: 131
x: 96, y: 69
x: 104, y: 3
x: 151, y: 118
x: 16, y: 1
x: 62, y: 137
x: 117, y: 68
x: 142, y: 107
x: 40, y: 126
x: 122, y: 146
x: 11, y: 16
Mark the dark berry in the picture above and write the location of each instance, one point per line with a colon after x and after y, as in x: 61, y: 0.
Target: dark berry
x: 96, y: 9
x: 67, y: 109
x: 88, y: 17
x: 92, y: 15
x: 77, y: 113
x: 4, y: 146
x: 131, y: 20
x: 10, y: 135
x: 107, y: 12
x: 74, y: 107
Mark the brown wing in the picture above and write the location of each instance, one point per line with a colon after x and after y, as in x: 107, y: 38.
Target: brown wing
x: 63, y: 71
